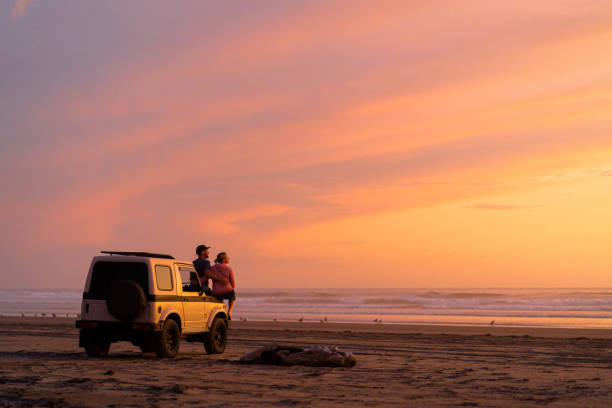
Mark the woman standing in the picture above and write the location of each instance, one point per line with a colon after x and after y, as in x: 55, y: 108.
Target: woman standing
x: 224, y: 290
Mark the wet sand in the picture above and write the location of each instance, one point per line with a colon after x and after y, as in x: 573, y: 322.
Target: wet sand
x: 398, y: 366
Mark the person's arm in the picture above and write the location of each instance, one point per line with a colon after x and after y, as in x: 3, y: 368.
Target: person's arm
x: 198, y: 280
x: 197, y: 275
x: 212, y: 275
x: 232, y: 280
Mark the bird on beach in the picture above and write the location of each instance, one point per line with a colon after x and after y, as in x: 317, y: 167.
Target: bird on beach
x: 492, y: 322
x: 379, y: 320
x: 53, y: 314
x: 275, y: 319
x: 301, y: 319
x: 325, y: 318
x: 375, y: 320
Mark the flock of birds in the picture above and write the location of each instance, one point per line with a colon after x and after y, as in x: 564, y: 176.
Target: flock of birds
x: 301, y: 319
x: 323, y: 320
x: 77, y: 315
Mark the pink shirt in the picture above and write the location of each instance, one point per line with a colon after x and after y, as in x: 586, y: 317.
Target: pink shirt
x: 223, y: 271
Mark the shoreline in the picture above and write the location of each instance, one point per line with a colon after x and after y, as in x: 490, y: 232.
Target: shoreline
x: 368, y: 323
x: 396, y: 328
x: 391, y: 328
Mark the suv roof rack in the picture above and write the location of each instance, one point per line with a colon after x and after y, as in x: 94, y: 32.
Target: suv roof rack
x: 144, y: 254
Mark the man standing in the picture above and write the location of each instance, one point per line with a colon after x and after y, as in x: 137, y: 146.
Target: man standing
x: 203, y: 269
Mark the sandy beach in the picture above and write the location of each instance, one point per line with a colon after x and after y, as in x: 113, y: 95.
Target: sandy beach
x: 42, y: 365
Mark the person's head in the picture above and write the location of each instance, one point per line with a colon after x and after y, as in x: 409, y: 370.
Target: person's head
x: 222, y: 258
x: 202, y: 251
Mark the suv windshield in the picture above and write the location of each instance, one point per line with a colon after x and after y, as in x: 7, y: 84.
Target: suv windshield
x: 105, y: 274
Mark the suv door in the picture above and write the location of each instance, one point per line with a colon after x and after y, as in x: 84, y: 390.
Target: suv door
x: 194, y: 305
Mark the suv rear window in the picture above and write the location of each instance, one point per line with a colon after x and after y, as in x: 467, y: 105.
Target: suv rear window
x: 163, y: 276
x: 105, y: 274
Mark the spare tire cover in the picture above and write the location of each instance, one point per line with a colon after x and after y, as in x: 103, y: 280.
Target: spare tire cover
x: 126, y: 300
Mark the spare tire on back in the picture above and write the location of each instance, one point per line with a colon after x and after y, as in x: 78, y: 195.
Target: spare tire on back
x: 126, y: 300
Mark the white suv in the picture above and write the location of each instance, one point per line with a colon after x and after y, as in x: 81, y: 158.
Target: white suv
x: 149, y: 300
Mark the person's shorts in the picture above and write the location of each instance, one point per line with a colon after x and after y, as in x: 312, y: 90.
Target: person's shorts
x: 231, y: 295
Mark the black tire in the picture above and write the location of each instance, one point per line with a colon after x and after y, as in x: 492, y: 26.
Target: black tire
x: 126, y: 300
x: 216, y: 339
x: 98, y: 350
x: 168, y: 340
x: 148, y: 347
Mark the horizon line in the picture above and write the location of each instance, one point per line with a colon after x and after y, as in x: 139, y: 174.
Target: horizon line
x: 363, y: 287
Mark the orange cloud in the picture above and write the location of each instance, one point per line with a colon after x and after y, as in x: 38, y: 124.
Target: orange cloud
x: 226, y: 223
x: 20, y: 8
x: 500, y: 207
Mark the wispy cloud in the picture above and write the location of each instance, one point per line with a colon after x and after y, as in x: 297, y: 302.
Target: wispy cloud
x: 500, y: 207
x: 20, y: 8
x: 226, y: 223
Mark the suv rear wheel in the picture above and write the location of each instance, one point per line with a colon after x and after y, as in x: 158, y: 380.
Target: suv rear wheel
x: 98, y: 349
x: 215, y: 339
x: 167, y: 341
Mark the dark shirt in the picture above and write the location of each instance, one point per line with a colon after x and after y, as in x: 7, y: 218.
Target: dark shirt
x: 202, y: 265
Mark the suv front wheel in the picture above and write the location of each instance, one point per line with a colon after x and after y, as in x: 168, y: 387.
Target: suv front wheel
x: 167, y: 341
x: 215, y: 339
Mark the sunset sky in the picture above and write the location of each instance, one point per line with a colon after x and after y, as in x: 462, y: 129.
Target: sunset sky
x: 321, y: 144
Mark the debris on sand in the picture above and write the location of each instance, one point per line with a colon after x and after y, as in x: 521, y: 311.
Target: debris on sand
x: 314, y: 356
x: 78, y: 380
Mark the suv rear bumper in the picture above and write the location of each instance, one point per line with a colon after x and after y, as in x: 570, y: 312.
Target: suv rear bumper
x: 117, y: 326
x: 95, y: 331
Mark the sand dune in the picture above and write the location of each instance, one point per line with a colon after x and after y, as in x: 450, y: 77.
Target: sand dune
x: 41, y: 365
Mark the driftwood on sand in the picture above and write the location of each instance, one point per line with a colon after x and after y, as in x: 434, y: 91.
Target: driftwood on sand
x: 314, y: 356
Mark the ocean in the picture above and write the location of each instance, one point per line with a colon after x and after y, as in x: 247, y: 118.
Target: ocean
x: 572, y: 308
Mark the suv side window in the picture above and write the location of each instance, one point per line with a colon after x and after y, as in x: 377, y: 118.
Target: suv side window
x: 163, y: 276
x: 189, y: 279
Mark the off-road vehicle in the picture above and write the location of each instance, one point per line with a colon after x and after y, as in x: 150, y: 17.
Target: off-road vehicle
x: 149, y: 300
